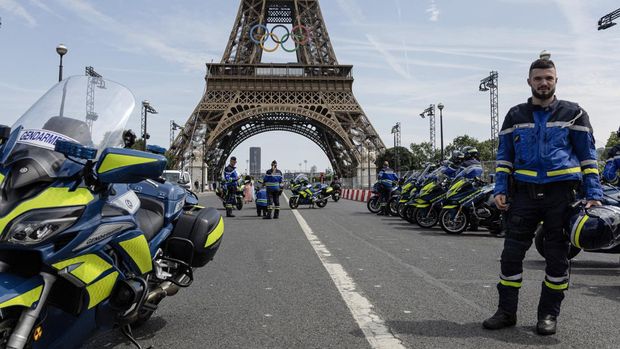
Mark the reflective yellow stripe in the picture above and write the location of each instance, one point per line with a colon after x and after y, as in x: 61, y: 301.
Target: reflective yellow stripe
x: 449, y: 207
x: 578, y: 231
x: 50, y: 197
x: 1, y: 178
x: 527, y: 173
x: 556, y: 287
x: 421, y: 205
x: 516, y: 284
x: 26, y: 299
x: 455, y: 187
x: 564, y: 171
x: 101, y: 289
x: 138, y: 249
x: 216, y: 234
x: 90, y: 267
x: 591, y: 170
x: 503, y: 169
x: 114, y: 161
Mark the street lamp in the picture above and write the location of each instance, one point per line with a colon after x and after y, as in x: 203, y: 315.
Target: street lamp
x: 440, y: 106
x: 607, y: 21
x: 147, y: 108
x: 61, y: 50
x: 306, y: 166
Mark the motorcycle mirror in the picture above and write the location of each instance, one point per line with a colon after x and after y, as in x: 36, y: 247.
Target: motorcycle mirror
x: 5, y: 132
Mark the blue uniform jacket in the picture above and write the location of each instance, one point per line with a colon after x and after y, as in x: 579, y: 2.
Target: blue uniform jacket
x: 261, y: 197
x: 470, y: 169
x: 231, y: 177
x: 611, y: 173
x: 387, y: 177
x: 273, y: 180
x: 544, y: 145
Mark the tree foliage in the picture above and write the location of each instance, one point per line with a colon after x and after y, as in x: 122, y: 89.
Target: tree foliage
x: 406, y: 159
x: 423, y: 152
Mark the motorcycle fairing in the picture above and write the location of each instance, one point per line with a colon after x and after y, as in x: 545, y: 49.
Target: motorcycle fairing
x: 19, y: 291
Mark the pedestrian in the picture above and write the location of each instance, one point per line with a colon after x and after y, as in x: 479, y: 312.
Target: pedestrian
x: 387, y: 179
x: 611, y: 173
x: 546, y: 150
x: 273, y: 183
x: 196, y: 185
x: 231, y: 179
x: 248, y: 190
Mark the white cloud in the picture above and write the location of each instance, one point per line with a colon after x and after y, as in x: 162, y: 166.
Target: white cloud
x: 434, y: 11
x: 18, y: 10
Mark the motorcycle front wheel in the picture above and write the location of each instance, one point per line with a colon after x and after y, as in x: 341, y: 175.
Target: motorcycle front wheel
x: 393, y: 205
x: 373, y: 204
x: 321, y: 203
x: 293, y: 203
x: 402, y: 210
x: 239, y: 203
x: 426, y: 218
x: 336, y: 197
x: 453, y: 224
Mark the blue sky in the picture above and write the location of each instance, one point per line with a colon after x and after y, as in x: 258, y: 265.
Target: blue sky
x: 406, y: 55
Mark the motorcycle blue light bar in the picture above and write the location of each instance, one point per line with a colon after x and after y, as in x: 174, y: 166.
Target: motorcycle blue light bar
x: 75, y: 150
x: 155, y: 149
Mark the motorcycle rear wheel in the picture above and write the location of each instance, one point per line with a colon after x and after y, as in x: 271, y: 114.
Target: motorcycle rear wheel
x: 321, y: 203
x: 239, y: 204
x: 453, y: 225
x: 373, y: 204
x: 393, y: 206
x: 336, y: 197
x: 402, y: 210
x: 410, y: 214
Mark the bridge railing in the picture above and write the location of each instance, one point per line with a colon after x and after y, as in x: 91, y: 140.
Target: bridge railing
x: 279, y: 70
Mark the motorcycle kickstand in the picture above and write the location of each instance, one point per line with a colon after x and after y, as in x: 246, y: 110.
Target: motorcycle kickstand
x: 126, y: 331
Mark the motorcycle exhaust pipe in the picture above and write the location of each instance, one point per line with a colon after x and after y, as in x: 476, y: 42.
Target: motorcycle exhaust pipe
x: 165, y: 289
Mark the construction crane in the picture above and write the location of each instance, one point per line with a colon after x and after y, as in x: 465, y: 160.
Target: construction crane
x: 607, y: 20
x: 490, y: 83
x: 94, y: 80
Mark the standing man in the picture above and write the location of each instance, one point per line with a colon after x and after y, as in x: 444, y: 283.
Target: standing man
x: 231, y: 178
x: 273, y: 182
x: 387, y: 178
x: 546, y: 148
x: 611, y: 173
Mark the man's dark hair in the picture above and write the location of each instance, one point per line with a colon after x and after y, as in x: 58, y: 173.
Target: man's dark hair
x: 542, y: 64
x: 233, y: 158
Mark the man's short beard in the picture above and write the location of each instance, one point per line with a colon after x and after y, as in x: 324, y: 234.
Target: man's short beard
x: 543, y: 96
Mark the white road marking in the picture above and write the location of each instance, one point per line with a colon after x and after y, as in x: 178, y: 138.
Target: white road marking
x: 372, y: 325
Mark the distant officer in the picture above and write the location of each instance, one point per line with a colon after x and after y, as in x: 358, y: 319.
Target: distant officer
x: 273, y: 183
x: 387, y: 179
x: 611, y: 173
x: 470, y: 167
x: 261, y: 199
x: 231, y: 179
x: 546, y: 148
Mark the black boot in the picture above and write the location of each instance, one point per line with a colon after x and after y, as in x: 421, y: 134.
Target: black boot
x: 268, y: 215
x: 258, y: 212
x: 499, y: 320
x: 229, y: 212
x: 547, y: 325
x: 276, y: 214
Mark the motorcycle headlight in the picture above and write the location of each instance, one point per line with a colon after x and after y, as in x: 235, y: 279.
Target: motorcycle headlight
x: 36, y: 226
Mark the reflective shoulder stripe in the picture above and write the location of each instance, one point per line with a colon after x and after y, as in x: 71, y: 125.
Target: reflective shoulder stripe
x: 588, y: 162
x: 516, y: 126
x: 557, y: 124
x: 505, y: 163
x: 590, y: 171
x: 506, y: 131
x: 527, y: 173
x: 503, y: 169
x: 564, y: 171
x: 580, y: 128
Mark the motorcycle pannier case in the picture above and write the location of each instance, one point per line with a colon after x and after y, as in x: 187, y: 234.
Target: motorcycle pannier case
x: 204, y: 228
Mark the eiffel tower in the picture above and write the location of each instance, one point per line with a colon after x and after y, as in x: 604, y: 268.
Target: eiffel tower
x: 312, y: 98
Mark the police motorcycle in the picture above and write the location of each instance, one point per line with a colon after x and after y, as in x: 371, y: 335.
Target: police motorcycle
x: 426, y: 205
x: 325, y: 191
x: 221, y: 193
x: 374, y: 203
x: 336, y: 189
x: 305, y: 194
x: 591, y: 229
x: 411, y: 187
x: 470, y: 203
x: 91, y: 237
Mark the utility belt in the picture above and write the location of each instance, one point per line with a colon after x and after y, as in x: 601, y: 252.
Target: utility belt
x: 538, y: 191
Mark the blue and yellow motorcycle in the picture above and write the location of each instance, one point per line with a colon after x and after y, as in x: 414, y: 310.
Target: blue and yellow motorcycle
x: 91, y: 237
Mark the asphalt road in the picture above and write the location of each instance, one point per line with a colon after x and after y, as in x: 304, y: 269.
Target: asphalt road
x: 350, y: 279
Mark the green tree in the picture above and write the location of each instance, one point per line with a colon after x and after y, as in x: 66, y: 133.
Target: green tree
x: 404, y: 155
x: 422, y: 153
x: 612, y: 140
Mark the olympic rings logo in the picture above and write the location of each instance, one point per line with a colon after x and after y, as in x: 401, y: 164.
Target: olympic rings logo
x: 299, y: 34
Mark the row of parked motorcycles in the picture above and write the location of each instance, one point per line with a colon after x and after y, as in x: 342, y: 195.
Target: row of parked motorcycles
x: 427, y: 198
x: 313, y: 195
x: 92, y: 237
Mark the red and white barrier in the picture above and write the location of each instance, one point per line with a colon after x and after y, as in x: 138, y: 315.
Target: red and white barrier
x: 356, y: 194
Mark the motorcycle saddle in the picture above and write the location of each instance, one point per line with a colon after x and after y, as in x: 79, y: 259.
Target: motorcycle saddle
x: 150, y: 216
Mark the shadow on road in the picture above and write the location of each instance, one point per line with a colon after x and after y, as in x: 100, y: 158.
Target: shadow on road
x: 447, y: 329
x: 115, y: 337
